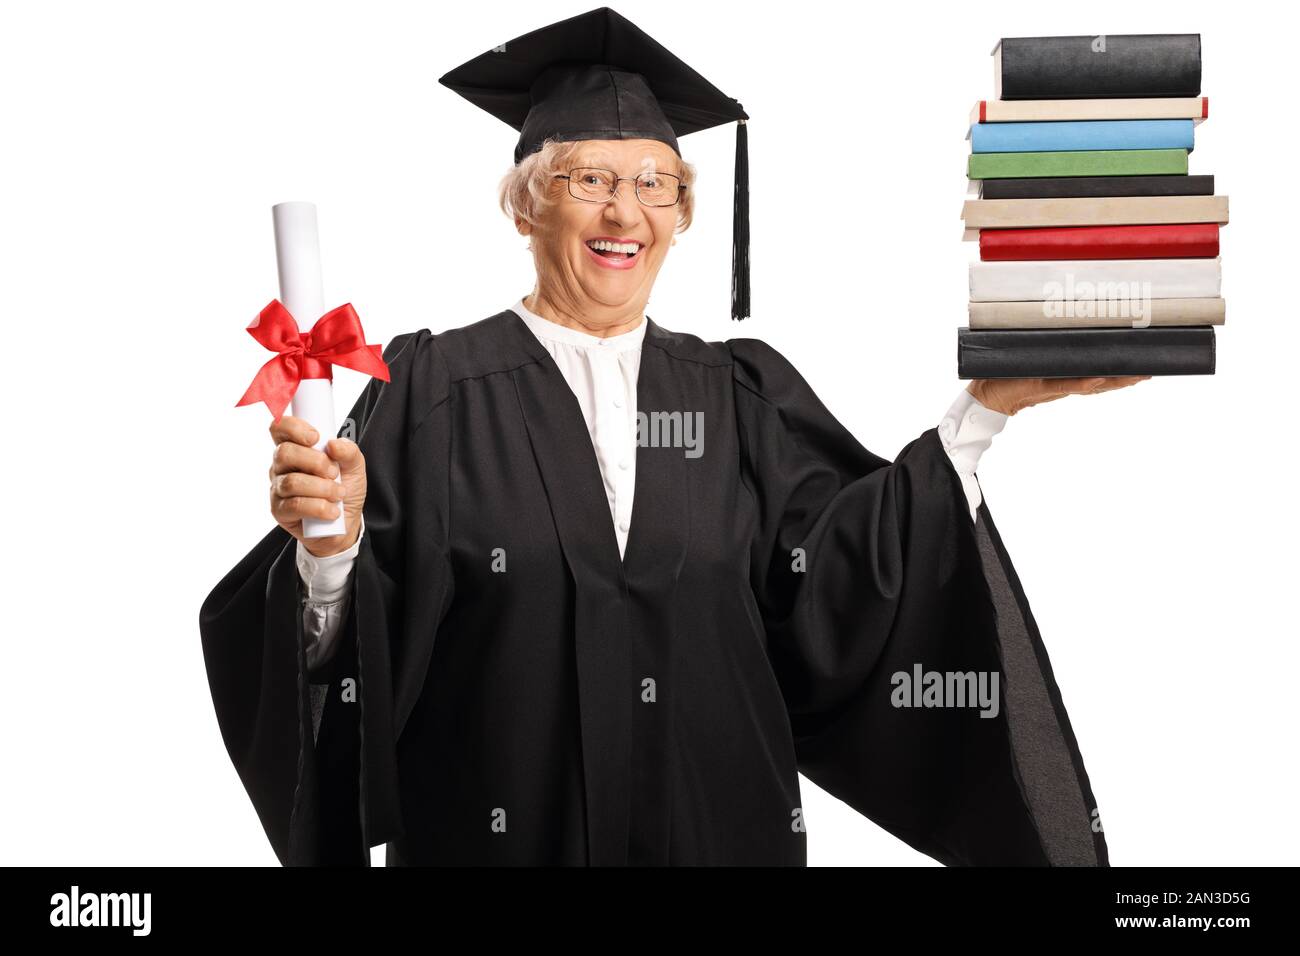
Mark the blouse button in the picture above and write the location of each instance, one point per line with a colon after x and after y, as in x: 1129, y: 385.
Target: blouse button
x: 623, y: 526
x: 973, y: 416
x: 618, y: 403
x: 625, y: 464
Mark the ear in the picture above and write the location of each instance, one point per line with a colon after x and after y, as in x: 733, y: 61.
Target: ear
x: 524, y: 227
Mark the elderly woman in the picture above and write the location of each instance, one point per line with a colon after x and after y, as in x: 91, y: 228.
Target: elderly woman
x: 606, y: 589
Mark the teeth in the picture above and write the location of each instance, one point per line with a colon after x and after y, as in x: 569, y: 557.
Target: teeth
x: 601, y: 245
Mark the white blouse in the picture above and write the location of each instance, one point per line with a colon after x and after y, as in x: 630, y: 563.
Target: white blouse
x: 602, y: 372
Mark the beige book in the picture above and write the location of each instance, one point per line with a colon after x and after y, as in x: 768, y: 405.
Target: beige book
x: 1096, y: 313
x: 1030, y: 111
x: 1093, y: 211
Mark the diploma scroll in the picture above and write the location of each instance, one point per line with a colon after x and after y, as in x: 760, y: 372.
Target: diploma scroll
x: 297, y: 254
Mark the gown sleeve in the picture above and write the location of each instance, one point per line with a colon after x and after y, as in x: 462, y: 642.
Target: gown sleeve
x: 324, y: 781
x: 882, y: 602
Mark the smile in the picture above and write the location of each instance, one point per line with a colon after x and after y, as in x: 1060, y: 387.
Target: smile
x: 613, y: 254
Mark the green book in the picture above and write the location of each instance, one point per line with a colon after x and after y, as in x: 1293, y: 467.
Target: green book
x: 1091, y: 162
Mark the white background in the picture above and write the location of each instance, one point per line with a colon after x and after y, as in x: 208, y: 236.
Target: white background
x: 1153, y: 528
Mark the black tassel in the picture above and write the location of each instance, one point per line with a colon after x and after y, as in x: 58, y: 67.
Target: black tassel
x: 740, y: 227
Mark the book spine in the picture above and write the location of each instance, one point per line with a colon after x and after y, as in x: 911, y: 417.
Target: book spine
x: 1069, y: 353
x: 1114, y: 211
x: 1038, y: 280
x: 1084, y: 187
x: 1104, y: 66
x: 1182, y: 241
x: 1092, y: 313
x: 1156, y: 108
x: 1107, y: 162
x: 1117, y: 211
x: 1102, y: 134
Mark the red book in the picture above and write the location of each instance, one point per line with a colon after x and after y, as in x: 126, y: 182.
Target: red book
x: 1191, y: 240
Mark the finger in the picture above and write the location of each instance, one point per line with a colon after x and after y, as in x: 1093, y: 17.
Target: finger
x: 299, y: 507
x: 1071, y: 386
x: 1077, y: 386
x: 1055, y: 388
x: 347, y: 454
x: 1121, y: 382
x: 297, y: 483
x: 290, y: 428
x: 290, y: 456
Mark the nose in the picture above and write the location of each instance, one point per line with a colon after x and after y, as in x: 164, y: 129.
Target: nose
x: 624, y: 204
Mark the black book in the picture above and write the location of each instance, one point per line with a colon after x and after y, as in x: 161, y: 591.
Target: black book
x: 1101, y: 67
x: 1070, y: 353
x: 1065, y: 187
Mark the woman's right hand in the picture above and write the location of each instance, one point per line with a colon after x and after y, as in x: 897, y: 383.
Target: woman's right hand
x: 303, y: 485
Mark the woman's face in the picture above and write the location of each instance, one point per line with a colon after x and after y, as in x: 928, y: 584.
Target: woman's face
x: 604, y: 289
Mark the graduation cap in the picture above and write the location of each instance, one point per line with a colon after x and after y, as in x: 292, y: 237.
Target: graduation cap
x: 599, y: 76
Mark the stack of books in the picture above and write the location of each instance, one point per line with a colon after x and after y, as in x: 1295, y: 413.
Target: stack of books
x: 1098, y: 253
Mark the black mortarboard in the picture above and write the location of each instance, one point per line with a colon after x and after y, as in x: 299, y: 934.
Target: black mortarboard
x: 599, y: 76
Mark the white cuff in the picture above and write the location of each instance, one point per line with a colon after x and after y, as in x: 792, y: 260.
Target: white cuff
x: 326, y: 579
x: 966, y: 431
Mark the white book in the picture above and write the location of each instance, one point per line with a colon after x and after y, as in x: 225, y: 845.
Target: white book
x: 1095, y: 313
x: 1075, y: 279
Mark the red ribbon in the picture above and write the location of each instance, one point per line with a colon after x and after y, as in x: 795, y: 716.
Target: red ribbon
x: 336, y: 339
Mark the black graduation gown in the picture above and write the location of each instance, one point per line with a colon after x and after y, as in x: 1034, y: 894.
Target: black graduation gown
x: 576, y: 708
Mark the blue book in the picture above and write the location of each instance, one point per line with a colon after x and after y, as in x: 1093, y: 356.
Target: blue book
x: 1081, y: 135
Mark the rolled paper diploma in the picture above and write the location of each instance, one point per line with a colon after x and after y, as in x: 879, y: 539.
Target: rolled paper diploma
x: 297, y: 254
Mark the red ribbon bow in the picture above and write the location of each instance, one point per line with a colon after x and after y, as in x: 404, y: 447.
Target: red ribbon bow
x: 336, y: 339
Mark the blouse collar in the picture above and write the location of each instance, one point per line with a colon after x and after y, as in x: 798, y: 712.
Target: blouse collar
x: 547, y: 330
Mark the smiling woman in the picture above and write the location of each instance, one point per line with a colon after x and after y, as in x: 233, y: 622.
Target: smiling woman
x: 548, y: 637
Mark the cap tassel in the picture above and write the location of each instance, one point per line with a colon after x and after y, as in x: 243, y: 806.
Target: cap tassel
x: 740, y: 227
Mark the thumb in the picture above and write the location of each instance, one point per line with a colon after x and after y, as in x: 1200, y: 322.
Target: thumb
x: 347, y: 454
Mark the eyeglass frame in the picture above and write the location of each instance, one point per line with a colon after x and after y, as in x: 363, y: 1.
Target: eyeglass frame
x: 636, y: 189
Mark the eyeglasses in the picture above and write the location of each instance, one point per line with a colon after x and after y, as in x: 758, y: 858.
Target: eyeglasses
x: 591, y: 184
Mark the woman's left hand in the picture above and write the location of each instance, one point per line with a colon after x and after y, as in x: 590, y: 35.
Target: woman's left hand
x: 1010, y: 395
